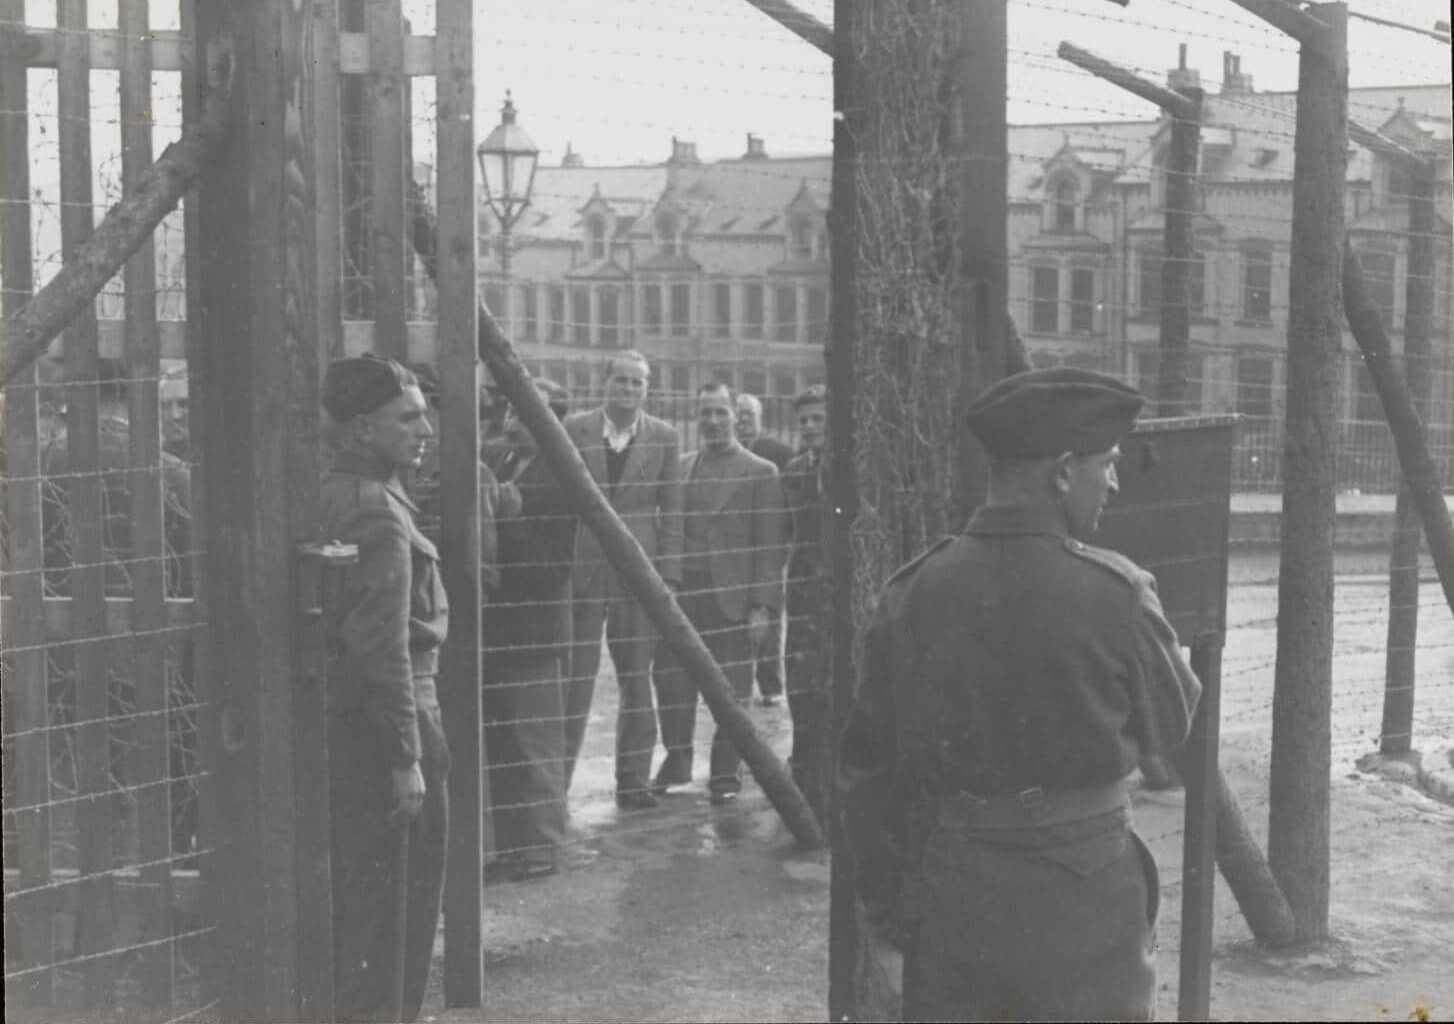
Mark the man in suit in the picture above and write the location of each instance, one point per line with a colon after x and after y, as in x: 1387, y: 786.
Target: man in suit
x: 767, y: 666
x: 734, y: 545
x: 634, y: 459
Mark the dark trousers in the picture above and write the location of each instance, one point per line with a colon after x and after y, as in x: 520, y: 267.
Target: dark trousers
x: 810, y: 760
x: 631, y: 639
x: 676, y: 695
x: 525, y: 739
x: 767, y: 666
x: 373, y: 869
x: 1049, y: 924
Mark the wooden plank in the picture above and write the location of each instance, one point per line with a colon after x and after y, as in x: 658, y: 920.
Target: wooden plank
x: 59, y: 617
x: 326, y: 131
x: 206, y: 685
x: 354, y: 54
x: 149, y: 760
x: 96, y: 928
x: 459, y: 501
x: 1199, y: 839
x: 384, y: 22
x: 25, y: 687
x: 257, y: 401
x: 107, y: 50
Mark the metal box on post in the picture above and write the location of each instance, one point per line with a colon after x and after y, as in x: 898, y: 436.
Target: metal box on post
x: 1172, y: 517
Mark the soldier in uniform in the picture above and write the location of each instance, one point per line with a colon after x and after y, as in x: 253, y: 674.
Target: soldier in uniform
x: 388, y: 761
x: 1013, y: 677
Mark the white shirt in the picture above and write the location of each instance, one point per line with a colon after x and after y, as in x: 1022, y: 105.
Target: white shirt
x: 615, y: 438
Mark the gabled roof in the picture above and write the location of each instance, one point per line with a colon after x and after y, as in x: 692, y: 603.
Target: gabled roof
x: 603, y: 269
x: 562, y: 193
x: 1096, y: 144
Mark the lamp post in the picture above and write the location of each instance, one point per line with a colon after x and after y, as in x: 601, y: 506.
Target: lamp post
x: 507, y: 164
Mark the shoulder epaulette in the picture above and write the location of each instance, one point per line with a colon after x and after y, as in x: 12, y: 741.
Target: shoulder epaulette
x: 908, y: 569
x: 1114, y: 561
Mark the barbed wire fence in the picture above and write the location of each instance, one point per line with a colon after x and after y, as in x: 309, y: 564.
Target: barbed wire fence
x: 907, y: 506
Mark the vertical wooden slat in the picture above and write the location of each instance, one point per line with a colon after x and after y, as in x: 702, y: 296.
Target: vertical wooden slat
x: 459, y: 495
x: 206, y: 688
x: 24, y: 625
x: 326, y: 131
x: 315, y: 898
x: 96, y: 925
x: 1199, y: 841
x: 388, y: 128
x: 148, y: 539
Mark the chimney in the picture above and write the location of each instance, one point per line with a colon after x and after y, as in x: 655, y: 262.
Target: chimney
x: 1181, y: 76
x: 1233, y: 80
x: 572, y: 158
x: 683, y: 153
x: 756, y: 148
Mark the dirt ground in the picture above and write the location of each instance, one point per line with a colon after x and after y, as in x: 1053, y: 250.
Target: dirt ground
x: 691, y: 912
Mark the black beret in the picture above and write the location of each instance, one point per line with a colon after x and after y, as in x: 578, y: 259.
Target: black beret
x: 1041, y: 413
x: 352, y: 387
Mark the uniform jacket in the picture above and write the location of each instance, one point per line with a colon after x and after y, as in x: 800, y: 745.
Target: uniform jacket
x: 765, y: 446
x: 1008, y: 657
x: 747, y: 528
x: 803, y: 490
x: 648, y: 497
x: 393, y: 615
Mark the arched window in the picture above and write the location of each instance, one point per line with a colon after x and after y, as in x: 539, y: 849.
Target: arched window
x: 596, y: 238
x: 1065, y: 194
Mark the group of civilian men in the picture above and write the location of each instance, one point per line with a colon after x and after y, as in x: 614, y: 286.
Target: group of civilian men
x: 720, y: 524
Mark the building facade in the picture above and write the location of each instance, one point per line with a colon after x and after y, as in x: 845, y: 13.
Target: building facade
x: 719, y: 270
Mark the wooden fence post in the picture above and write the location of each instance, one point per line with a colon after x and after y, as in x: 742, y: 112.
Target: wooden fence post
x: 258, y: 379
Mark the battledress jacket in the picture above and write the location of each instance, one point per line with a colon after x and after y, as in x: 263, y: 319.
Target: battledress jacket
x: 394, y: 610
x: 1009, y: 657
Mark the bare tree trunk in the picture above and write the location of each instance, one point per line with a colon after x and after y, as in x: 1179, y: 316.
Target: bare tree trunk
x: 127, y: 225
x: 1297, y: 847
x: 1396, y: 734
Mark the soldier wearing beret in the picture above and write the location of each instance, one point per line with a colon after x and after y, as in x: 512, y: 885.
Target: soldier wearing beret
x: 1013, y: 677
x: 388, y: 761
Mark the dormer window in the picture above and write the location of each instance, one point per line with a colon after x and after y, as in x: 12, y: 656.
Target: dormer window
x: 1064, y: 210
x: 800, y: 242
x: 596, y: 238
x: 667, y: 228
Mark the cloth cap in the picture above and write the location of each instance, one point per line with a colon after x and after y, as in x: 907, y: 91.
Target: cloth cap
x: 1040, y: 413
x: 359, y: 385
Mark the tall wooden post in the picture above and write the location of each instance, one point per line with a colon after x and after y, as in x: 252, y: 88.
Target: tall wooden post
x: 257, y: 378
x: 842, y: 493
x: 1178, y: 249
x: 1396, y: 734
x: 1297, y: 845
x: 978, y: 141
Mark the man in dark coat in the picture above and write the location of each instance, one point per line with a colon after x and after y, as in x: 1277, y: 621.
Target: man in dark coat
x: 1013, y: 676
x: 767, y: 665
x: 734, y: 542
x: 388, y: 761
x: 807, y: 597
x: 526, y: 640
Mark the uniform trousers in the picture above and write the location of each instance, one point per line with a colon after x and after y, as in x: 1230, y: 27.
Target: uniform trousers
x: 524, y: 711
x: 731, y: 647
x: 767, y: 660
x: 1053, y: 923
x: 810, y: 760
x: 369, y: 876
x: 631, y: 639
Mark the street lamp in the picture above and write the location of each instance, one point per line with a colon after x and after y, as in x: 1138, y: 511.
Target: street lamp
x: 507, y: 163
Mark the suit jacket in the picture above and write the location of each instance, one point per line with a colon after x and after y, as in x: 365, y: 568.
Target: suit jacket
x: 648, y: 497
x: 747, y: 530
x: 770, y: 448
x: 803, y: 489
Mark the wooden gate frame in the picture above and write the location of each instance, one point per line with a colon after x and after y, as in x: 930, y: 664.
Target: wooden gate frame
x: 264, y: 254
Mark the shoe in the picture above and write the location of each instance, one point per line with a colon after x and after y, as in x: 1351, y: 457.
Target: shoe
x: 671, y: 773
x: 635, y: 800
x: 723, y: 796
x: 768, y: 700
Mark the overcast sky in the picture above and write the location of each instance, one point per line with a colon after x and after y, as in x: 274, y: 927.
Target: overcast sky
x: 618, y: 78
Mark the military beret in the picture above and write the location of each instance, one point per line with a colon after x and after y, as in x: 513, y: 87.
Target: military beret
x: 1041, y: 413
x: 352, y: 387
